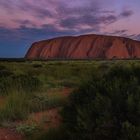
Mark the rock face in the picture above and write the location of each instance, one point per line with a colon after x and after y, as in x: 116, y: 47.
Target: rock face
x: 85, y: 47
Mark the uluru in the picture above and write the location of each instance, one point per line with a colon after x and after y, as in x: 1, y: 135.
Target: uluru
x: 85, y: 47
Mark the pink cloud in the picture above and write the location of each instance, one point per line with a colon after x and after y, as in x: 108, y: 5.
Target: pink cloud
x: 63, y: 14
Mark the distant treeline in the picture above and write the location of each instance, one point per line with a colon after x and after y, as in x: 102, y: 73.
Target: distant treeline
x: 60, y: 59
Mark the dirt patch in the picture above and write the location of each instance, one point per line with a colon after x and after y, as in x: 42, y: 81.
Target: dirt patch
x: 2, y: 100
x: 66, y: 91
x: 47, y: 119
x: 10, y: 134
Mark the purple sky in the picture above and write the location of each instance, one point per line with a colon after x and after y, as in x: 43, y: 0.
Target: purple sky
x: 25, y: 21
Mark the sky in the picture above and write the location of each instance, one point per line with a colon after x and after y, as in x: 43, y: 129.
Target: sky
x: 23, y: 22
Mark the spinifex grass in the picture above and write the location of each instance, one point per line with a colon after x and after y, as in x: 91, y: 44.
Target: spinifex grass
x: 16, y: 107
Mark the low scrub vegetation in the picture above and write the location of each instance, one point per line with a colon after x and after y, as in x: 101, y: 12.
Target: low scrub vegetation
x: 27, y: 129
x: 107, y: 107
x: 105, y: 103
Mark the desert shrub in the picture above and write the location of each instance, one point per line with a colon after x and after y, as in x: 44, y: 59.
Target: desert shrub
x: 107, y: 107
x: 27, y: 129
x: 2, y: 67
x: 69, y: 83
x: 51, y: 134
x: 5, y: 85
x: 43, y: 101
x: 16, y: 107
x: 37, y: 65
x: 5, y: 79
x: 26, y: 83
x: 4, y: 72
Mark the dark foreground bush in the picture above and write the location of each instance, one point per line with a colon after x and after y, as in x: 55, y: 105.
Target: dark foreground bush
x: 106, y: 107
x: 51, y: 134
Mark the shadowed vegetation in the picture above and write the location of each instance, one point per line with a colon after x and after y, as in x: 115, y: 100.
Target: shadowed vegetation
x: 107, y: 107
x: 104, y: 104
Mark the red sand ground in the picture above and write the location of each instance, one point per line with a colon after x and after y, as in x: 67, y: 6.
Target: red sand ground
x: 9, y: 134
x: 49, y: 118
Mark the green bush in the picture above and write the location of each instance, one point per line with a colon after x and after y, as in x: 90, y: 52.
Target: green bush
x: 27, y: 129
x: 4, y: 72
x: 37, y: 65
x: 51, y: 134
x: 15, y: 108
x: 107, y: 107
x: 26, y: 83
